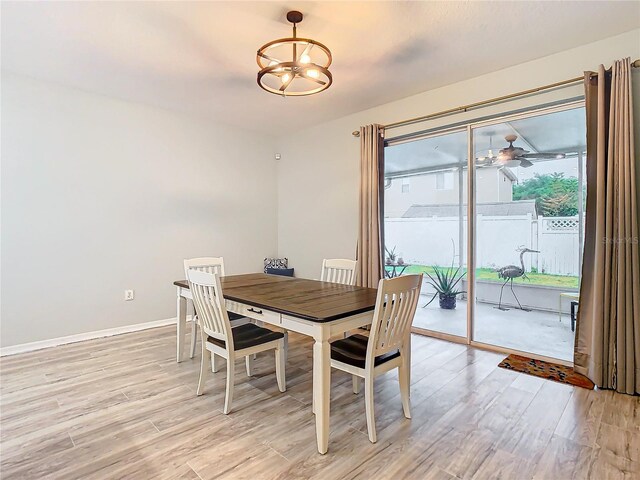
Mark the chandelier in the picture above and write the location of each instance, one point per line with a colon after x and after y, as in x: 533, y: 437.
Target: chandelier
x: 294, y: 66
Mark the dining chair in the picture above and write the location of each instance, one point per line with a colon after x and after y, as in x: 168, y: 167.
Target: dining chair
x: 387, y: 347
x: 218, y: 338
x: 210, y: 265
x: 339, y: 271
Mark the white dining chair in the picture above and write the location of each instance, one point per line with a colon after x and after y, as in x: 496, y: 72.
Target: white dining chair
x: 387, y: 347
x: 339, y: 271
x: 210, y: 265
x: 218, y: 338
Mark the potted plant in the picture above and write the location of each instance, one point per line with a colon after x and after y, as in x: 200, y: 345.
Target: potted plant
x: 445, y: 281
x: 391, y: 255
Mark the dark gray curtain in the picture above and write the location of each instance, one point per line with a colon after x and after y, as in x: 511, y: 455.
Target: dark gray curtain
x: 607, y: 347
x: 370, y: 225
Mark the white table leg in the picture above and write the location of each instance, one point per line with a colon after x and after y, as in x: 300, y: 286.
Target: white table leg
x: 181, y: 326
x: 322, y: 390
x: 249, y: 364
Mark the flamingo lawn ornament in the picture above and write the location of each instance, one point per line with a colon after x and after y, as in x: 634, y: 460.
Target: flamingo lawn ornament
x: 513, y: 271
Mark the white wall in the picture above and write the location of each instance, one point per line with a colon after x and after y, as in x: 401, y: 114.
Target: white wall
x: 101, y: 195
x: 318, y: 176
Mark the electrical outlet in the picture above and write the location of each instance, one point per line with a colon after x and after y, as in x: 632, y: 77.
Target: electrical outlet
x: 128, y: 295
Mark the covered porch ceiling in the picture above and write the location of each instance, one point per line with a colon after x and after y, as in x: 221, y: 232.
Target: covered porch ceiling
x: 558, y: 132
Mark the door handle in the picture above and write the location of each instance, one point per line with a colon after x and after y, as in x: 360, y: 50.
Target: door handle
x: 259, y: 312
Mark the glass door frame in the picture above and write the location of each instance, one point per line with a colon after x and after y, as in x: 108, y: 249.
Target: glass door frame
x: 471, y: 219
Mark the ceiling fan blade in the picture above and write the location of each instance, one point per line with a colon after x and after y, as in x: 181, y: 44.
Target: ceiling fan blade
x: 544, y: 155
x: 518, y: 151
x: 525, y: 163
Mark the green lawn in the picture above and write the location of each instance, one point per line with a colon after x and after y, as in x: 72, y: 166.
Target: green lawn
x: 486, y: 274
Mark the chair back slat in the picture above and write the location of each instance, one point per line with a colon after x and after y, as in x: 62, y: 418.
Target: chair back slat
x: 339, y: 271
x: 395, y: 307
x: 209, y: 304
x: 205, y: 264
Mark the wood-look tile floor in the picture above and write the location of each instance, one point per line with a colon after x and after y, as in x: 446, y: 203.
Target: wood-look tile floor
x: 121, y: 407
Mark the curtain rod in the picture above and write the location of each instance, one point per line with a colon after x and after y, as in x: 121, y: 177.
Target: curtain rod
x: 464, y: 108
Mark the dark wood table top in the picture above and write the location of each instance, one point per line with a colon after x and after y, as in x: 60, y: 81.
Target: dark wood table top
x: 298, y: 297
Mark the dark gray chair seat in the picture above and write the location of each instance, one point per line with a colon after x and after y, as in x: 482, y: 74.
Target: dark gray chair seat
x: 353, y: 351
x: 249, y: 335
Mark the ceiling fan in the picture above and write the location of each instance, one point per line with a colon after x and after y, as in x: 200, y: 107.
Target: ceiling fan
x: 519, y: 157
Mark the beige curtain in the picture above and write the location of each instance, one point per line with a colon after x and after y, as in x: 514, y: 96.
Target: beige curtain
x: 607, y: 348
x: 371, y: 228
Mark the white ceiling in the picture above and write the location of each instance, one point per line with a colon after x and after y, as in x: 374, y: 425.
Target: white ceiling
x: 199, y: 57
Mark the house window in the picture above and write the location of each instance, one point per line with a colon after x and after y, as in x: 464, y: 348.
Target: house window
x: 444, y: 180
x: 405, y: 185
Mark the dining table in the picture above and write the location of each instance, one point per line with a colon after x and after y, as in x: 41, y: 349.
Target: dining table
x: 320, y: 310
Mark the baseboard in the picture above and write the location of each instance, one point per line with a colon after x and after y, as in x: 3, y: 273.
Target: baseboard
x: 109, y: 332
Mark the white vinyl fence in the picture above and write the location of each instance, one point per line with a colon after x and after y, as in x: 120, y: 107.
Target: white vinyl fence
x: 559, y: 244
x: 432, y: 240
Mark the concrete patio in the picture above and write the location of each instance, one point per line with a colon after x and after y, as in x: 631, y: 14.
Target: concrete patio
x: 536, y: 331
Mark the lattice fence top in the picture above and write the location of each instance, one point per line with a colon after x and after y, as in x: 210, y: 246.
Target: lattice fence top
x: 563, y: 224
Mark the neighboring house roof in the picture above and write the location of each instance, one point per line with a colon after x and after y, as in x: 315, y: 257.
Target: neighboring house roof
x: 509, y: 174
x: 497, y: 209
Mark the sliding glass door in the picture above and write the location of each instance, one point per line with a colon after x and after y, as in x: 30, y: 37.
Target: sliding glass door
x: 425, y: 225
x: 529, y: 194
x: 526, y: 195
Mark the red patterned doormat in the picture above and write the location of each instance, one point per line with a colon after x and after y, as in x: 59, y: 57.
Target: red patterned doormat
x: 550, y: 371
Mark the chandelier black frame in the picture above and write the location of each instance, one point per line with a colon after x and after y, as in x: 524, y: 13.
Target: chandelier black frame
x: 288, y: 71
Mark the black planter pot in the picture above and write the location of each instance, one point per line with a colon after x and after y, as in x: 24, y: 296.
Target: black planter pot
x: 448, y: 302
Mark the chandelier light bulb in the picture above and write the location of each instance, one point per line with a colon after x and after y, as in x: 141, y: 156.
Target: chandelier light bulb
x: 313, y: 73
x: 285, y: 78
x: 304, y: 58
